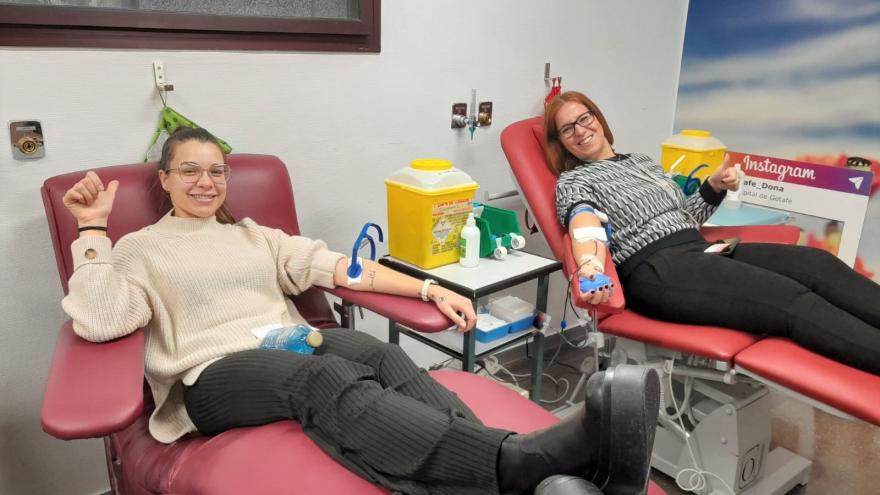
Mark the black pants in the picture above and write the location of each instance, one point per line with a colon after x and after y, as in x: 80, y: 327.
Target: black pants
x: 805, y: 294
x: 365, y: 403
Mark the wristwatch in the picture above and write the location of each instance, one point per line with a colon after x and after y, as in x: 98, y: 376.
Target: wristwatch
x: 424, y: 292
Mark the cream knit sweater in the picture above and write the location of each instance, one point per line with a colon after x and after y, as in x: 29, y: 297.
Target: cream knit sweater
x: 199, y: 288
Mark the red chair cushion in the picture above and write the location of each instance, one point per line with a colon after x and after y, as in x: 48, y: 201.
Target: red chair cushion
x: 279, y: 458
x: 713, y: 342
x: 782, y: 361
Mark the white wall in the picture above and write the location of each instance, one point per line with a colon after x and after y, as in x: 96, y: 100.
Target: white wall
x: 341, y: 122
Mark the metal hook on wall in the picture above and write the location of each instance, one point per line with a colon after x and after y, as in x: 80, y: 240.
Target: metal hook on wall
x: 161, y: 85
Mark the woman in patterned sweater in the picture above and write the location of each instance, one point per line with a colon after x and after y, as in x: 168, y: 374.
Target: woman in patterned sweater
x: 801, y: 293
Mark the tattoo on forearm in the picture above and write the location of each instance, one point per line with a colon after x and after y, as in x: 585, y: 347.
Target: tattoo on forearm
x: 372, y: 276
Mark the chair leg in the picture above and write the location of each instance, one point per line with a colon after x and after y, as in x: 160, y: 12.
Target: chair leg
x: 113, y: 466
x: 346, y: 314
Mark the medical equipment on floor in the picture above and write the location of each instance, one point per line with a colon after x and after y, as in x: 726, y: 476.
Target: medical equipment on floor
x: 499, y: 231
x: 684, y: 154
x: 428, y: 204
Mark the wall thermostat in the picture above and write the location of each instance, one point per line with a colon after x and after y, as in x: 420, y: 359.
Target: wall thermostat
x: 27, y: 139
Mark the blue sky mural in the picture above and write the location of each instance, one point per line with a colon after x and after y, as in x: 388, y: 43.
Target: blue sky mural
x: 797, y: 79
x: 784, y: 77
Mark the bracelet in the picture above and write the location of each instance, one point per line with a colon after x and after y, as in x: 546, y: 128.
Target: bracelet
x: 424, y: 292
x: 92, y: 227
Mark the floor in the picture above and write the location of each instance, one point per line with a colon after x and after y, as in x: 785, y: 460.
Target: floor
x: 565, y: 369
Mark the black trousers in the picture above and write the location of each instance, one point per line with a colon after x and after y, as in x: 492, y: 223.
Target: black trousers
x: 802, y: 293
x: 365, y: 403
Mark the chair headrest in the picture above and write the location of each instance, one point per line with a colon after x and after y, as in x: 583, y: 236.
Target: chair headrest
x: 523, y: 144
x: 259, y: 187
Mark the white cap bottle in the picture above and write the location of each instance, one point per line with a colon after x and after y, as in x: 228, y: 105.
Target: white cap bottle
x: 469, y: 246
x: 732, y: 199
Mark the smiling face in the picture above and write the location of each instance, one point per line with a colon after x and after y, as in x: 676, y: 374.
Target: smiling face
x: 199, y: 199
x: 586, y: 140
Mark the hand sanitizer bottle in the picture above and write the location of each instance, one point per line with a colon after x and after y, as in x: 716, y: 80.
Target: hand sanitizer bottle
x: 469, y: 246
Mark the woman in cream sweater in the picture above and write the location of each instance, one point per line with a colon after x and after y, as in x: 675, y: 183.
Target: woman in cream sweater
x: 201, y: 283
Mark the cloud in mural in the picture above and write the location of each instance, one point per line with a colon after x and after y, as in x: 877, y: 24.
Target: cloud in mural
x: 815, y: 90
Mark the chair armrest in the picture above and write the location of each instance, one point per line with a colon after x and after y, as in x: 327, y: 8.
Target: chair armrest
x: 408, y: 311
x: 774, y: 234
x: 93, y: 389
x: 615, y: 304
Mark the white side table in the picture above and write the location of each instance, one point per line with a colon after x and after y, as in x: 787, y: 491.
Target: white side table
x: 488, y: 277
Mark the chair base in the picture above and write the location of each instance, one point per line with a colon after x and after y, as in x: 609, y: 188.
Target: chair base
x: 731, y: 437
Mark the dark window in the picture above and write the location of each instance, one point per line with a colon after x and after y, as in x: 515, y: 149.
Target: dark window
x: 302, y: 25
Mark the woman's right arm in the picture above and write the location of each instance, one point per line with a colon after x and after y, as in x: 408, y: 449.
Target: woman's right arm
x: 103, y: 303
x: 574, y: 201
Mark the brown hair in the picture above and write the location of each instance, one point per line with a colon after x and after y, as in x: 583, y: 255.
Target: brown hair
x: 560, y: 159
x: 181, y: 135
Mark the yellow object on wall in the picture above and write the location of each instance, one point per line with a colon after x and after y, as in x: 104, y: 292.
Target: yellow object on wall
x: 689, y: 149
x: 428, y: 204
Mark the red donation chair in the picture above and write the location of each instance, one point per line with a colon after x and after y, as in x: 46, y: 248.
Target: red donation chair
x: 722, y: 375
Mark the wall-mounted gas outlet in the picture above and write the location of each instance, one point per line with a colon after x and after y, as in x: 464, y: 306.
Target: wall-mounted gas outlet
x: 27, y: 139
x: 484, y: 114
x: 459, y: 115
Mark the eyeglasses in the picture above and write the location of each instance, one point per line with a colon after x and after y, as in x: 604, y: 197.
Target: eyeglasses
x: 191, y: 173
x: 584, y: 120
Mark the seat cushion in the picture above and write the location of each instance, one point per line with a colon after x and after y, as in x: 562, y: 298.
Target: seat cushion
x: 787, y: 364
x: 712, y: 342
x: 278, y: 458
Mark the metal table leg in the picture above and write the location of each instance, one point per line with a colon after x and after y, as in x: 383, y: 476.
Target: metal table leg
x: 393, y: 333
x: 538, y: 356
x: 469, y: 344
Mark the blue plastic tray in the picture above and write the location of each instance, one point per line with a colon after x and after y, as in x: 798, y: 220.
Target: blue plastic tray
x: 498, y: 332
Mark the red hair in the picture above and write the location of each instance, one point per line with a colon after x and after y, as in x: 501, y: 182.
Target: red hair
x: 560, y: 159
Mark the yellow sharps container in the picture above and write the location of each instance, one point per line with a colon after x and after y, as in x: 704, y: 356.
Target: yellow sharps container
x: 689, y: 149
x: 428, y: 203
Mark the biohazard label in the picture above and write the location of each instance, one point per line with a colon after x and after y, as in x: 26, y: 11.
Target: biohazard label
x: 447, y: 219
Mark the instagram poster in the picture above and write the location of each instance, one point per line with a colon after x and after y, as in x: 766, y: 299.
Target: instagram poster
x: 799, y: 81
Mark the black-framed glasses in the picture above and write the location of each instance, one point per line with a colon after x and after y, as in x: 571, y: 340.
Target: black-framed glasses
x: 584, y: 120
x: 191, y: 173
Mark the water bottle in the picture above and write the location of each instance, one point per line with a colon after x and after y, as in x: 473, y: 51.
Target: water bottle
x: 469, y: 247
x: 299, y: 338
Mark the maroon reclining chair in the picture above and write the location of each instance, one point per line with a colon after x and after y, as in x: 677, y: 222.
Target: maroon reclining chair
x: 776, y: 362
x: 97, y: 390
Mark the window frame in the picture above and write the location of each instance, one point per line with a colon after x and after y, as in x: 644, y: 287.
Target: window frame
x: 83, y: 27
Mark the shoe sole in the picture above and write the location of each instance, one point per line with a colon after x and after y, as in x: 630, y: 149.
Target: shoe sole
x: 602, y: 429
x: 563, y: 484
x: 635, y: 405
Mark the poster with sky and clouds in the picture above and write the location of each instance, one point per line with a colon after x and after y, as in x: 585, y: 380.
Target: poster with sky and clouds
x: 794, y: 79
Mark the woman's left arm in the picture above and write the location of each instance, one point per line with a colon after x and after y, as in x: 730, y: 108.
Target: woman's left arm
x: 712, y: 192
x: 379, y: 278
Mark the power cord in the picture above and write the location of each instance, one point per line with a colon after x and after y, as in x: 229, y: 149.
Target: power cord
x: 697, y: 480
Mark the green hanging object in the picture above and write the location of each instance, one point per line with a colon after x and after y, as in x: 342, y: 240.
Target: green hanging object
x: 169, y: 121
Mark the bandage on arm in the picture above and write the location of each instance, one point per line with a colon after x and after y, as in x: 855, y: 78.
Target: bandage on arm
x: 588, y: 238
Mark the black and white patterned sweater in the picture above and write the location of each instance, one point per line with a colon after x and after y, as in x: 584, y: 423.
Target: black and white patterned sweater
x: 642, y: 204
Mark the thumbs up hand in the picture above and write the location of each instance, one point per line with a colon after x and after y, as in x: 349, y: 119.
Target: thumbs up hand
x: 89, y: 201
x: 725, y: 177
